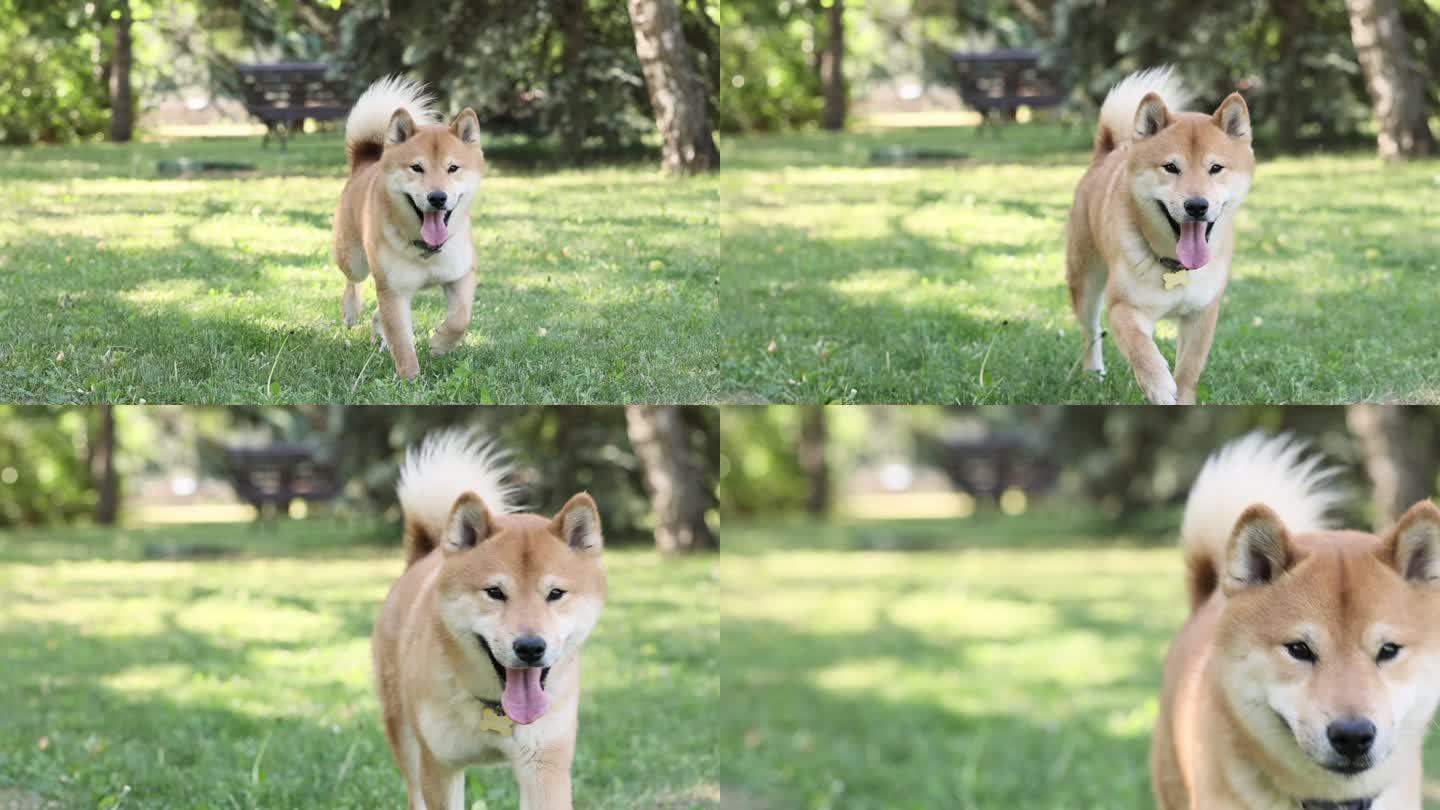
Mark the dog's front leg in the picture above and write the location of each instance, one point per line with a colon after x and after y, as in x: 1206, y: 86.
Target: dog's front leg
x: 395, y: 325
x: 459, y: 296
x: 1135, y: 335
x: 442, y: 787
x: 1195, y: 335
x: 544, y: 777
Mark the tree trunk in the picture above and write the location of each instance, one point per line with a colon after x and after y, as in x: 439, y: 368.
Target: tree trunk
x: 677, y: 91
x: 676, y: 485
x: 1395, y: 81
x: 832, y: 67
x: 812, y: 459
x: 102, y: 467
x: 575, y: 27
x: 122, y: 118
x: 1398, y: 454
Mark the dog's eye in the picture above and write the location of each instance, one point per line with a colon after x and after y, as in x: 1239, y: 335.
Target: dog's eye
x: 1171, y: 168
x: 1387, y: 653
x: 417, y: 168
x: 554, y: 595
x: 453, y: 168
x: 1216, y: 168
x: 496, y: 594
x: 1300, y: 651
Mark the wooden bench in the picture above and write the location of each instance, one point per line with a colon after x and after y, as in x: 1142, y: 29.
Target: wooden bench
x: 282, y: 96
x: 986, y: 468
x: 275, y: 475
x: 1000, y: 82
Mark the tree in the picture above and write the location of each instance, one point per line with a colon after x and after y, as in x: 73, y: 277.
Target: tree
x: 1395, y: 83
x: 677, y: 91
x: 832, y: 67
x: 122, y: 117
x: 1397, y: 447
x: 102, y: 466
x: 676, y: 483
x: 811, y: 452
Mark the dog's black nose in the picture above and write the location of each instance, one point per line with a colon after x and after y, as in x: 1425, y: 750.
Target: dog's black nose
x: 529, y: 649
x: 437, y: 200
x: 1195, y: 206
x: 1351, y: 737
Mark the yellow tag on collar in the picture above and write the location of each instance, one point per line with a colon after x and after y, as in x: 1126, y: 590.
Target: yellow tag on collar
x: 497, y: 722
x: 1179, y: 278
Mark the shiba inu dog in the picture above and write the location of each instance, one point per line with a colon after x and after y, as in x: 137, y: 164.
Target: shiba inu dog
x: 405, y: 214
x: 477, y: 647
x: 1309, y: 670
x: 1152, y: 230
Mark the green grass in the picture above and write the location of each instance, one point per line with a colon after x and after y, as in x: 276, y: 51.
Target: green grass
x: 847, y: 282
x: 246, y: 683
x: 595, y: 285
x: 990, y: 674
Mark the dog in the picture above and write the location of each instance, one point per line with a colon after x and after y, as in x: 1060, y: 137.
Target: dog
x: 404, y: 214
x: 1152, y: 230
x: 477, y: 646
x: 1309, y: 670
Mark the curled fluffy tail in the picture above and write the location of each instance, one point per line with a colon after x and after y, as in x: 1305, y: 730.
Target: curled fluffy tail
x: 1117, y: 114
x: 436, y: 472
x: 365, y: 128
x: 1254, y: 469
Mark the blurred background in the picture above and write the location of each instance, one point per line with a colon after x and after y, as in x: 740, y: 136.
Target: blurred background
x: 969, y: 607
x: 563, y: 78
x: 650, y: 468
x: 189, y: 593
x: 1315, y: 72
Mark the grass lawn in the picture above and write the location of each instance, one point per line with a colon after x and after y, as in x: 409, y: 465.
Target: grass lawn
x: 246, y: 683
x: 120, y: 285
x: 852, y: 282
x: 1016, y: 669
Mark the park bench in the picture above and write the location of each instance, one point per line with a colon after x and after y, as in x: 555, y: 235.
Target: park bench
x: 997, y: 83
x: 986, y: 468
x: 275, y: 475
x: 282, y: 96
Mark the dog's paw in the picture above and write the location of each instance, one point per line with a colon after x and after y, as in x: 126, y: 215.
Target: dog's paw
x: 442, y: 344
x: 1162, y: 393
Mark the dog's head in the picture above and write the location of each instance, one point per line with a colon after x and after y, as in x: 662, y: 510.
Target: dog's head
x: 431, y: 170
x: 1329, y: 647
x: 1189, y: 169
x: 520, y: 593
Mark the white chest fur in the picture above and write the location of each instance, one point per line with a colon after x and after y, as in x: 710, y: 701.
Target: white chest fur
x: 407, y: 268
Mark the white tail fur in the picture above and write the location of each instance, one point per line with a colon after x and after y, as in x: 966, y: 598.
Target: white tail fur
x: 1254, y: 469
x: 371, y: 113
x: 1117, y: 114
x: 436, y: 472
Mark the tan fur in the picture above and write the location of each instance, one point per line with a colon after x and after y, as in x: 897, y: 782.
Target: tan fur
x: 1116, y: 232
x: 1242, y: 722
x: 375, y: 228
x: 430, y: 668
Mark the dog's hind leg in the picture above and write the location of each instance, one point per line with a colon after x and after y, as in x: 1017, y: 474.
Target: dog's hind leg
x: 459, y: 296
x: 356, y: 269
x: 1087, y: 295
x: 351, y: 303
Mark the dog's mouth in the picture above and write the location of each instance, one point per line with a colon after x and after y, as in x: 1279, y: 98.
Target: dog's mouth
x: 434, y: 225
x: 1349, y: 767
x: 522, y: 693
x: 1192, y: 243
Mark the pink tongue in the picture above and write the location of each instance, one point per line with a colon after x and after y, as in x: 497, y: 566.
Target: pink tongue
x: 432, y: 228
x: 1192, y: 249
x: 524, y: 701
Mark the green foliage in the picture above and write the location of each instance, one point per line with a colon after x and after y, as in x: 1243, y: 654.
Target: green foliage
x: 766, y: 66
x: 50, y: 89
x: 248, y: 682
x: 44, y: 478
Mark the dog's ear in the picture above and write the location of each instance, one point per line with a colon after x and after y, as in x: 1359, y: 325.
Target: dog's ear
x: 1259, y: 550
x: 578, y: 524
x: 1151, y: 116
x: 1413, y: 546
x: 470, y: 523
x: 401, y: 127
x: 1233, y: 117
x: 466, y: 126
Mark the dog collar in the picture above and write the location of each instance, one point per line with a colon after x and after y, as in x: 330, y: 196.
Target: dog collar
x: 1353, y: 804
x: 494, y: 720
x: 1175, y: 275
x: 426, y: 251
